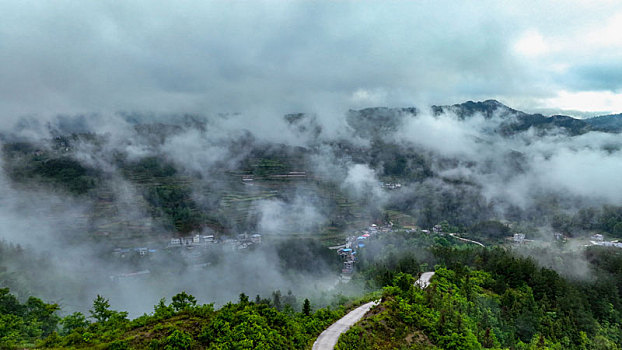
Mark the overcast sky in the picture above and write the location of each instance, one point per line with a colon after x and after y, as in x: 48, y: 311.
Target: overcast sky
x: 310, y: 56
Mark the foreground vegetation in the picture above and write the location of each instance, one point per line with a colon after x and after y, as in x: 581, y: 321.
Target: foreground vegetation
x: 479, y: 298
x: 492, y: 298
x: 182, y: 324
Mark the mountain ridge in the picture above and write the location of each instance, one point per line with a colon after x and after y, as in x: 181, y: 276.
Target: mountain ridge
x: 488, y: 109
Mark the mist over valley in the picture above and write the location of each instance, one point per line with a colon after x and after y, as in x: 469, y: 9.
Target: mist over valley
x: 310, y: 175
x: 97, y: 200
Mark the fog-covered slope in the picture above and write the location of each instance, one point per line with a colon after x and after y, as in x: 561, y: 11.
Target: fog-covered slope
x: 88, y: 192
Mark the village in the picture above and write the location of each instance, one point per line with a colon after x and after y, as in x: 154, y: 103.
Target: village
x: 598, y: 239
x: 348, y: 250
x: 191, y: 248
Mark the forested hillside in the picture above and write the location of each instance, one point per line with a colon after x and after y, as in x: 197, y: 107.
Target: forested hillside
x: 139, y: 206
x: 479, y: 298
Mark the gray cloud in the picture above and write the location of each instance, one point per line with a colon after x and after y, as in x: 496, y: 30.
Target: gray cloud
x: 597, y: 76
x: 239, y: 56
x: 264, y: 59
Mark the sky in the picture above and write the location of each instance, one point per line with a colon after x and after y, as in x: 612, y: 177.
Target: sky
x: 67, y: 57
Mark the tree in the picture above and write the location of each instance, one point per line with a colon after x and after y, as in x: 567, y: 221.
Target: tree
x: 183, y: 301
x: 9, y: 303
x: 276, y: 299
x: 178, y: 340
x: 289, y: 300
x: 306, y: 307
x: 243, y: 299
x: 162, y: 310
x: 72, y: 322
x: 101, y: 309
x: 43, y: 314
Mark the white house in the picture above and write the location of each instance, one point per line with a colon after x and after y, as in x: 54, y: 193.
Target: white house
x: 519, y: 238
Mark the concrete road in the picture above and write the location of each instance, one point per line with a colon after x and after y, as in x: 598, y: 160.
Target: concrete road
x: 424, y: 280
x: 328, y: 339
x: 467, y: 240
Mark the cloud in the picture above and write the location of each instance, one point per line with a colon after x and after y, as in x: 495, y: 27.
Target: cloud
x: 279, y: 217
x: 597, y: 101
x: 445, y: 133
x: 282, y: 57
x: 600, y: 76
x: 531, y: 44
x: 243, y: 65
x: 361, y: 183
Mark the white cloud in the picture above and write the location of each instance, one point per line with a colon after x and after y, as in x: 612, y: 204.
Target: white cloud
x: 603, y: 36
x: 596, y: 101
x: 531, y: 44
x: 365, y: 97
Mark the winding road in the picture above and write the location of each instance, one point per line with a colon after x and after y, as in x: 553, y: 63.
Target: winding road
x: 467, y: 240
x: 328, y: 339
x: 424, y: 280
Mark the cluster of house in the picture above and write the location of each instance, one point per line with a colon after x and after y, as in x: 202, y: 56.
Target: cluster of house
x: 191, y: 254
x: 243, y: 241
x: 391, y: 185
x: 598, y: 239
x: 196, y: 240
x: 436, y: 229
x: 348, y: 251
x: 126, y: 252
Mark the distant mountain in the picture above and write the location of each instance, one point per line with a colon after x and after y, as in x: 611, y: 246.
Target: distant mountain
x: 378, y: 120
x: 606, y: 123
x: 375, y: 121
x: 487, y: 108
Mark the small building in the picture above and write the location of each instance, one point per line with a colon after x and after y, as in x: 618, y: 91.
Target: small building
x: 141, y: 251
x: 597, y: 237
x: 519, y: 238
x: 348, y: 267
x: 610, y: 244
x: 345, y: 252
x: 256, y: 238
x: 121, y: 252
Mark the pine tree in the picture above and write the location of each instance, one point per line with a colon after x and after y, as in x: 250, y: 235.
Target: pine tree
x: 306, y: 307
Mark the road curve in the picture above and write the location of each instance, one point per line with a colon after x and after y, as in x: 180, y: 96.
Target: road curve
x: 467, y: 240
x: 328, y: 339
x: 424, y: 280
